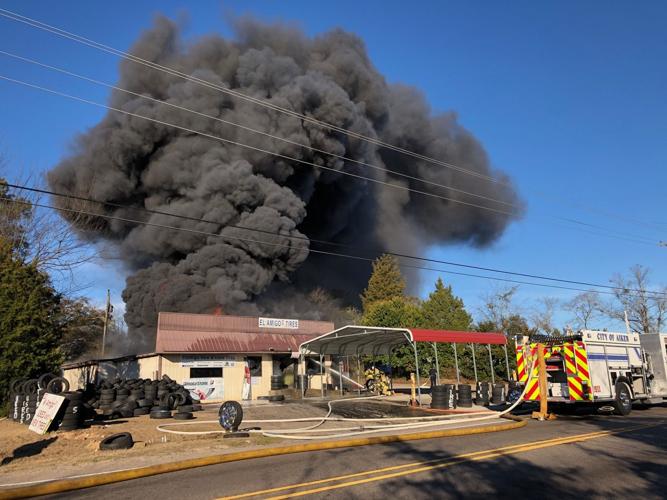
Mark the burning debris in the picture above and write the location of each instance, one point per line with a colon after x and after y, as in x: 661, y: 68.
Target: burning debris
x: 135, y: 162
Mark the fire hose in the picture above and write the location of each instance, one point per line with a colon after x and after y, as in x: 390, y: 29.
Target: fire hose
x: 411, y: 422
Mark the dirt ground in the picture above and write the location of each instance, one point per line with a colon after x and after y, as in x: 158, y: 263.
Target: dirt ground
x: 22, y: 449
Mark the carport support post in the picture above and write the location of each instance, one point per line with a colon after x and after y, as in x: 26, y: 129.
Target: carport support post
x: 493, y: 376
x: 301, y: 378
x: 474, y: 362
x: 456, y: 364
x: 322, y: 375
x: 419, y: 389
x: 437, y: 365
x: 507, y: 362
x: 359, y: 372
x: 340, y: 373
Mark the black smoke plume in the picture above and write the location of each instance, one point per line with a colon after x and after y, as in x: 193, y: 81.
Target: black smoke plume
x: 135, y: 162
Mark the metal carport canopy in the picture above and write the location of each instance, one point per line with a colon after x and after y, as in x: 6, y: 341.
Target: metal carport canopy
x: 353, y: 340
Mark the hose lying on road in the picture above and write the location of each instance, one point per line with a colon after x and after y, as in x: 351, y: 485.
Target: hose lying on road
x: 413, y: 422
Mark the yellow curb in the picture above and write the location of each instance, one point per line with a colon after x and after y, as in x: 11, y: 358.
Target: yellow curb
x: 63, y: 485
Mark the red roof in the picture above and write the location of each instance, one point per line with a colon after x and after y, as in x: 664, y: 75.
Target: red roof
x: 182, y: 333
x: 453, y: 336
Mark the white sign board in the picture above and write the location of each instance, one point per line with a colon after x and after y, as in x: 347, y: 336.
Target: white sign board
x: 289, y: 324
x: 611, y: 337
x: 46, y: 412
x: 205, y: 388
x: 207, y: 361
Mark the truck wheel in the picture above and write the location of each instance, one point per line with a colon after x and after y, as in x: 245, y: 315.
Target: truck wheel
x: 623, y: 401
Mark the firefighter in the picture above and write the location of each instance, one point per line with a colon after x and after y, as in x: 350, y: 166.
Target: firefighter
x: 433, y: 376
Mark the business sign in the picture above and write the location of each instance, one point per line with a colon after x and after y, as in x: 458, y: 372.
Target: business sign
x: 207, y: 361
x: 289, y: 324
x: 46, y: 412
x: 205, y: 388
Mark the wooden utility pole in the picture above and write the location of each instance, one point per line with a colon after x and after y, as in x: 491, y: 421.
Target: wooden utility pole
x: 107, y: 310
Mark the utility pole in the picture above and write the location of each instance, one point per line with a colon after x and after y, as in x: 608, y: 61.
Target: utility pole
x: 107, y: 310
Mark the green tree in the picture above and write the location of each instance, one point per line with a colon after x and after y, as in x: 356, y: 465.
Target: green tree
x: 30, y: 330
x: 82, y: 326
x: 386, y: 282
x: 397, y: 312
x: 444, y: 311
x: 30, y: 327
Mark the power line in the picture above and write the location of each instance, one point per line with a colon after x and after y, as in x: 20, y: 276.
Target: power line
x: 34, y: 23
x: 368, y: 259
x: 322, y: 252
x: 644, y: 240
x: 262, y: 102
x: 250, y: 129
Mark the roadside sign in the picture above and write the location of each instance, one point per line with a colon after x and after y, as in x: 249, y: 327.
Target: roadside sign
x: 46, y: 412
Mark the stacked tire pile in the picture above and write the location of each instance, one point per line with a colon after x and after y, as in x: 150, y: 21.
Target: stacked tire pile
x: 135, y: 397
x: 498, y: 394
x: 483, y: 393
x: 72, y: 414
x: 443, y: 397
x: 487, y: 393
x: 26, y: 395
x: 276, y: 394
x: 464, y: 396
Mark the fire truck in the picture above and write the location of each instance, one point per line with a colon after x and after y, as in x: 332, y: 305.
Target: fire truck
x: 606, y: 369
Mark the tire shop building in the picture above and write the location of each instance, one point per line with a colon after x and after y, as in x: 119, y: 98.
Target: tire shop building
x: 216, y: 357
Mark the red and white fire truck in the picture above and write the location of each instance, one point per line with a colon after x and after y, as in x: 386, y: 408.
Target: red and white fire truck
x: 596, y: 367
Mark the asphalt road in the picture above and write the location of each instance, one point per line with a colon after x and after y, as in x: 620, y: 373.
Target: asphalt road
x: 572, y: 457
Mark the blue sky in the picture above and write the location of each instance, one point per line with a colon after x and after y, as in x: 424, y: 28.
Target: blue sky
x: 568, y: 98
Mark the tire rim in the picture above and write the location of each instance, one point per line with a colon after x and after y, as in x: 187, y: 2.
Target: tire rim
x: 227, y: 416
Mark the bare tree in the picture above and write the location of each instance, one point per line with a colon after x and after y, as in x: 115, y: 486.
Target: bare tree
x: 543, y: 315
x: 499, y: 306
x: 41, y: 235
x: 586, y: 307
x: 646, y: 309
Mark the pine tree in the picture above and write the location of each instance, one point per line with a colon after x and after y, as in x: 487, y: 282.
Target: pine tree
x: 386, y: 282
x: 444, y: 311
x: 398, y: 312
x: 30, y: 328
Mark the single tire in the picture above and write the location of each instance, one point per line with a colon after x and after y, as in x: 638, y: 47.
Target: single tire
x: 57, y: 385
x: 197, y: 407
x: 277, y: 397
x: 623, y: 401
x: 129, y: 405
x: 31, y: 386
x: 141, y: 411
x: 44, y: 380
x: 160, y: 413
x: 145, y: 403
x: 126, y: 413
x: 184, y: 408
x: 183, y: 415
x: 120, y: 441
x: 15, y: 385
x: 230, y: 415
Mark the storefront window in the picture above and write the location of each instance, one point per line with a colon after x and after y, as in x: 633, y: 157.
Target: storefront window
x: 205, y: 372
